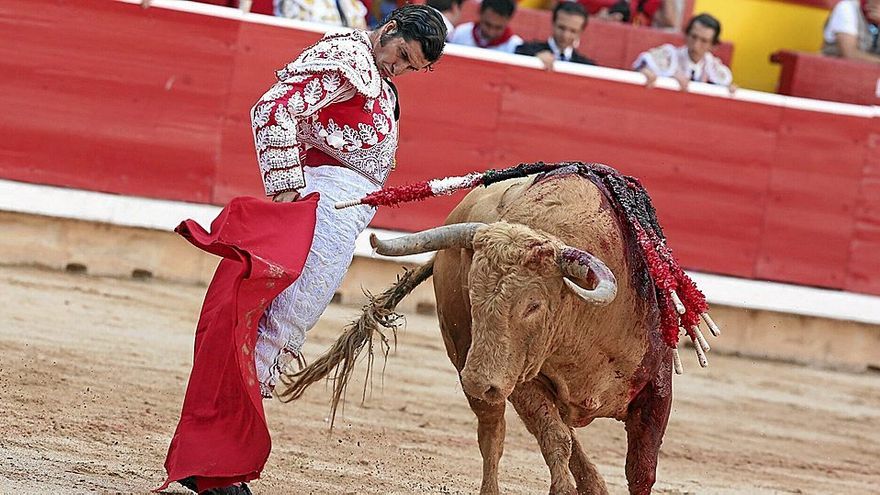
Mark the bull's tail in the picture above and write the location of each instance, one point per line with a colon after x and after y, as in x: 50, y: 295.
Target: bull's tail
x: 377, y: 318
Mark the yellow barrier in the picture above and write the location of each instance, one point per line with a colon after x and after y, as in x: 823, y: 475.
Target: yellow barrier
x: 758, y: 28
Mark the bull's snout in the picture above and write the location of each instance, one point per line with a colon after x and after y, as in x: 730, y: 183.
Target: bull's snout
x: 481, y: 388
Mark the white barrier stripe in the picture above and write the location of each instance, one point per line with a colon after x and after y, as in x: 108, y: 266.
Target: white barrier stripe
x: 606, y: 73
x: 91, y: 206
x: 157, y: 214
x: 232, y: 13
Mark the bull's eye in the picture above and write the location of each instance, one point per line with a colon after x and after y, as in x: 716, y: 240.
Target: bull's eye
x: 531, y: 308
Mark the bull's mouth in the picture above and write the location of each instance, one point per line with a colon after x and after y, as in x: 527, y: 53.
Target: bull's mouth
x: 493, y: 395
x: 495, y: 385
x: 486, y: 390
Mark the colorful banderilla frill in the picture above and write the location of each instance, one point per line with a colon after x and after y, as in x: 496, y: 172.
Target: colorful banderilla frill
x: 394, y: 196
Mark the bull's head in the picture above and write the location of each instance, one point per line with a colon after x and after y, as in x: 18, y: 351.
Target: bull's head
x: 516, y: 280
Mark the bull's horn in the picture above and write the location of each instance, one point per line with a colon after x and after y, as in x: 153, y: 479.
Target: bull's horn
x: 578, y: 264
x: 456, y: 235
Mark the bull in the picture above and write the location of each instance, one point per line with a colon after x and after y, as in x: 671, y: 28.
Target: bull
x: 547, y: 299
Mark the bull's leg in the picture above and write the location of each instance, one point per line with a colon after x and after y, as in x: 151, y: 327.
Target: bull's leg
x: 587, y: 477
x: 542, y: 419
x: 490, y: 436
x: 645, y: 424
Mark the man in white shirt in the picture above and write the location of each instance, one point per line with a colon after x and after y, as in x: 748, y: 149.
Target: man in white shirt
x: 492, y: 30
x: 851, y: 31
x: 692, y: 62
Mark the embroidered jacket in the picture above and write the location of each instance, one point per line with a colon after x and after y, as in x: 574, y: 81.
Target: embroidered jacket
x: 329, y: 107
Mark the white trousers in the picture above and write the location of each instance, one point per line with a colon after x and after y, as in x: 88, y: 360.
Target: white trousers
x: 282, y: 329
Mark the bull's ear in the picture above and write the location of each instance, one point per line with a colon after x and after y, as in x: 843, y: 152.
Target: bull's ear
x: 540, y: 254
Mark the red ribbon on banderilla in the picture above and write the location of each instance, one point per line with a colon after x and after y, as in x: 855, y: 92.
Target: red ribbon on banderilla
x: 393, y: 196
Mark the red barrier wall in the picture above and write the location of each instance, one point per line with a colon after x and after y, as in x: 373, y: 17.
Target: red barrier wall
x: 155, y: 103
x: 809, y: 75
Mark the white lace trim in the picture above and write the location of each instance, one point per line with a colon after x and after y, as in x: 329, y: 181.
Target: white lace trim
x: 350, y: 54
x: 276, y: 136
x: 285, y: 179
x: 277, y: 145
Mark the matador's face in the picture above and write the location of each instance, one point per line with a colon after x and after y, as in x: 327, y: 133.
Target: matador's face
x: 395, y: 56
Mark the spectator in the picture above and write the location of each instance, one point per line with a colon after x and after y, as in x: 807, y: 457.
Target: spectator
x: 492, y: 30
x: 345, y: 13
x: 656, y: 13
x: 617, y: 12
x: 851, y: 31
x: 451, y: 10
x: 569, y: 21
x: 692, y: 62
x: 593, y: 7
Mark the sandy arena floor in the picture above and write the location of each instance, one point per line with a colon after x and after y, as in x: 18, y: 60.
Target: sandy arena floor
x: 92, y: 374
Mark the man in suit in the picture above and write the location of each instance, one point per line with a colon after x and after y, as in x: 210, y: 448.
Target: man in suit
x: 569, y: 22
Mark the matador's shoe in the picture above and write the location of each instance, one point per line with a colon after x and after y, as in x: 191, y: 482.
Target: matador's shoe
x: 241, y: 489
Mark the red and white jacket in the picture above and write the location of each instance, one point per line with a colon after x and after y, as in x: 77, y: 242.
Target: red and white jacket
x: 329, y: 107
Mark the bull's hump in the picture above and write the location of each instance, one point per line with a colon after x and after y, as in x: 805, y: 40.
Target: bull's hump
x: 487, y: 204
x: 567, y: 206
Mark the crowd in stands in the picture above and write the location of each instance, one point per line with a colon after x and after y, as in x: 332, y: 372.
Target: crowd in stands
x: 851, y: 31
x: 655, y: 13
x: 693, y: 61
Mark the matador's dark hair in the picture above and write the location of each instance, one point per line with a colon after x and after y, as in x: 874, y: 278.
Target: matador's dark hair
x: 423, y: 24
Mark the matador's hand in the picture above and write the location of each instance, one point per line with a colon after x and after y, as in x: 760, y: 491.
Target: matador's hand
x: 286, y: 197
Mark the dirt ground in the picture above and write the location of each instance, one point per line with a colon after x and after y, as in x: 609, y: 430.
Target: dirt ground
x: 93, y: 370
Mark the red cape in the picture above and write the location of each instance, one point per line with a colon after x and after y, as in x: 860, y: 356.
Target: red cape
x: 222, y: 437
